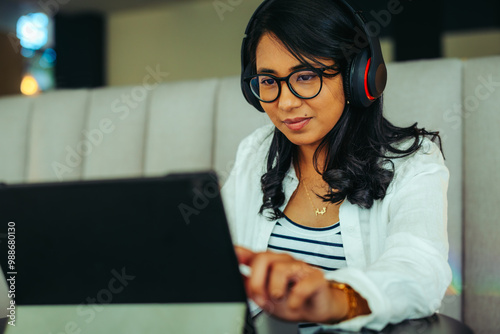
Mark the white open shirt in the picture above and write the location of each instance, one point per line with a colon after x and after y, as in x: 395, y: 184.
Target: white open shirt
x: 396, y: 251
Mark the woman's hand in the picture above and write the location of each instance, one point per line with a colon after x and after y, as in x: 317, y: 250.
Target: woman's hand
x: 291, y: 289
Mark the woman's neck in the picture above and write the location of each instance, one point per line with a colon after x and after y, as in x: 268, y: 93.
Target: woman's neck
x: 305, y: 162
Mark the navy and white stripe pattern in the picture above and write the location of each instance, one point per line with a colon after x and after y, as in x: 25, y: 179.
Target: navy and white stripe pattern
x: 319, y: 246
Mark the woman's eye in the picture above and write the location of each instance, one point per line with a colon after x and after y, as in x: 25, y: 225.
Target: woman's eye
x: 306, y: 76
x: 266, y: 81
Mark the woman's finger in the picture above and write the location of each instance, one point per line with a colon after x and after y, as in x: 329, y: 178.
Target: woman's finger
x: 281, y: 277
x: 244, y: 255
x: 302, y: 295
x: 259, y: 280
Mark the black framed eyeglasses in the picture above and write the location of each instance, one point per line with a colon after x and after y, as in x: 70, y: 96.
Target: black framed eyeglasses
x: 303, y: 83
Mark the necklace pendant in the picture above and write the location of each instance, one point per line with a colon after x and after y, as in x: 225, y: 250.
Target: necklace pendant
x: 322, y: 212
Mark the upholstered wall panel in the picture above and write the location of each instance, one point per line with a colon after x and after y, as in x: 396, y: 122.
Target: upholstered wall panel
x: 115, y: 131
x: 56, y: 151
x: 180, y: 127
x: 482, y: 195
x: 235, y: 119
x: 430, y: 92
x: 15, y: 113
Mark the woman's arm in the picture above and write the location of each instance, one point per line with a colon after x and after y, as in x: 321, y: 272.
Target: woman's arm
x: 410, y: 274
x: 295, y: 291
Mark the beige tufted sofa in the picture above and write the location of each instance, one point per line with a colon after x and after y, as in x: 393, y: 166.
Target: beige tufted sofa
x: 156, y: 128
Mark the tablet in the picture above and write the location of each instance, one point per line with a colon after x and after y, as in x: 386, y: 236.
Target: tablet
x: 148, y: 255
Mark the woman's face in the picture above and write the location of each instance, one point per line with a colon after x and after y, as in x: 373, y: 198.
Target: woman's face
x: 302, y: 121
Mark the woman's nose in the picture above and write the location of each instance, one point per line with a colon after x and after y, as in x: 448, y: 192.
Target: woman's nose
x: 287, y: 100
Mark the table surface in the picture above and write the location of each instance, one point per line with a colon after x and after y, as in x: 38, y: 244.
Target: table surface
x: 435, y: 324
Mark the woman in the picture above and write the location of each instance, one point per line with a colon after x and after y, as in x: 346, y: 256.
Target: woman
x: 340, y: 214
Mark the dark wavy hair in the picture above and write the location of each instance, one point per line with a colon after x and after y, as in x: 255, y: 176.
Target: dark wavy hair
x: 359, y: 145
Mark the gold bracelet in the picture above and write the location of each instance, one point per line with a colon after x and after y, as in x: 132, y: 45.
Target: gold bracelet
x: 351, y: 299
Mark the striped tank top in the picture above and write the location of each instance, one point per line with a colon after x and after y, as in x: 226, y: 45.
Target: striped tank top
x: 318, y: 246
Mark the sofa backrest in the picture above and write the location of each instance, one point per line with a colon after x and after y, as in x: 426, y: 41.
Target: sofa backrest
x: 481, y: 185
x: 133, y: 131
x: 425, y: 91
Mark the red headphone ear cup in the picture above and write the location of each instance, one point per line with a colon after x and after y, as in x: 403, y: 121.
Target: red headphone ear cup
x: 377, y: 79
x: 357, y: 77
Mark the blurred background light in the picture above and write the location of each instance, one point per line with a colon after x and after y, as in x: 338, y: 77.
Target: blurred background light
x: 32, y: 30
x: 27, y: 53
x: 29, y: 85
x: 44, y: 79
x: 48, y: 58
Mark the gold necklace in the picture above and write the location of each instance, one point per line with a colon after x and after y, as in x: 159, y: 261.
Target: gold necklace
x: 316, y: 210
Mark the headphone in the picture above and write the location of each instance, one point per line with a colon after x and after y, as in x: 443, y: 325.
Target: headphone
x: 366, y: 74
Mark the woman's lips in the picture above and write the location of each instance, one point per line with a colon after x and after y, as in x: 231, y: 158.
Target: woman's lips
x: 296, y: 123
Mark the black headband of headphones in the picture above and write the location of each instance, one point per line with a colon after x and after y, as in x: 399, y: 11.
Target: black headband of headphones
x: 367, y: 75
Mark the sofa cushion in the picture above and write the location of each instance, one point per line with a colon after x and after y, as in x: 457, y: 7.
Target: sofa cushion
x: 56, y: 150
x: 430, y: 92
x: 235, y: 119
x: 14, y: 128
x: 115, y: 129
x: 481, y: 194
x: 180, y: 127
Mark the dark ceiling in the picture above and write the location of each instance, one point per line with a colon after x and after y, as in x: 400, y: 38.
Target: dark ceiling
x: 456, y: 14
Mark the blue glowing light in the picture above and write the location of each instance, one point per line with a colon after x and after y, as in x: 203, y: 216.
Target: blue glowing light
x: 44, y: 78
x: 48, y: 58
x: 50, y: 55
x: 32, y: 30
x: 39, y: 19
x: 27, y: 53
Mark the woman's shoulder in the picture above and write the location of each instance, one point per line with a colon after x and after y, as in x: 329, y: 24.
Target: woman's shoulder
x: 426, y: 158
x: 426, y: 146
x: 256, y: 145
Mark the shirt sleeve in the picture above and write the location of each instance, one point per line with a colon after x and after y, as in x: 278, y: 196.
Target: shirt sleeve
x: 236, y: 189
x: 229, y: 194
x: 244, y: 179
x: 410, y: 277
